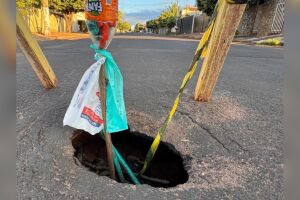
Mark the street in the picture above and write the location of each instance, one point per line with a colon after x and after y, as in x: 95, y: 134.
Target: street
x: 234, y: 143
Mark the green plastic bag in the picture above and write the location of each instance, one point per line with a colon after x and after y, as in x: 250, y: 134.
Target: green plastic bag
x: 115, y: 113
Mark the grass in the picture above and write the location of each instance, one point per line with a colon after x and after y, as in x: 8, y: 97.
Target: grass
x: 270, y: 42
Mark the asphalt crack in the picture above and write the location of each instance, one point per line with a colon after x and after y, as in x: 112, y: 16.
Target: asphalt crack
x: 214, y: 137
x: 240, y: 146
x: 203, y: 128
x: 244, y: 150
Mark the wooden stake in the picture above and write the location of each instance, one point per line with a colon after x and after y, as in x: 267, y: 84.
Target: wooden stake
x: 34, y: 54
x: 110, y: 154
x: 227, y: 21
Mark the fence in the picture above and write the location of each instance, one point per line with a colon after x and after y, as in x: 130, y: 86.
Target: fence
x: 163, y: 31
x: 34, y: 21
x: 278, y: 20
x: 200, y: 23
x: 185, y: 25
x: 192, y: 24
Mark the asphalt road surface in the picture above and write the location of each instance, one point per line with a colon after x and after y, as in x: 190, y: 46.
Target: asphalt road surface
x: 234, y: 142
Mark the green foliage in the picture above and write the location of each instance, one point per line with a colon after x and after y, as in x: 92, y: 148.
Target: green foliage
x: 173, y: 10
x: 66, y: 6
x: 153, y: 24
x: 206, y: 6
x: 138, y: 27
x: 25, y: 4
x: 270, y: 42
x: 120, y: 16
x: 127, y: 26
x: 167, y: 19
x: 27, y: 7
x: 63, y: 6
x: 171, y: 22
x: 123, y: 26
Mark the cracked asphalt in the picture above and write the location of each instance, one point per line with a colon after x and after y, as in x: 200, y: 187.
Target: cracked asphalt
x: 233, y: 144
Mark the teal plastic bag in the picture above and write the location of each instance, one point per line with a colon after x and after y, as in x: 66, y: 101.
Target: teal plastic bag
x: 116, y: 118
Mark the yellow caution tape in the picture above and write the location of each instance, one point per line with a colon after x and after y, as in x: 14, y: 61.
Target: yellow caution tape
x: 200, y: 53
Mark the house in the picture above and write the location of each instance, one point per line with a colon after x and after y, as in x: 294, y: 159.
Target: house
x: 189, y: 10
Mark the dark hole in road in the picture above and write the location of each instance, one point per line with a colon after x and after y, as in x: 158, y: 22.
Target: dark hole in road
x: 166, y: 170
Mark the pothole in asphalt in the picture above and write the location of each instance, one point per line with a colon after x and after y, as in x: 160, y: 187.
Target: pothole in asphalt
x: 167, y: 168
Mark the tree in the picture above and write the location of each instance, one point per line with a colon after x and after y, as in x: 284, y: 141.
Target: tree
x: 153, y: 24
x: 120, y: 21
x: 171, y: 22
x: 26, y: 4
x: 206, y: 6
x: 120, y: 16
x: 26, y: 7
x: 138, y: 27
x: 126, y: 26
x: 167, y: 19
x: 67, y: 8
x: 174, y: 10
x: 163, y: 19
x: 123, y: 26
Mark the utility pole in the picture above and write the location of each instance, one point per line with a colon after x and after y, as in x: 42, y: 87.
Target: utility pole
x: 45, y: 18
x: 227, y: 21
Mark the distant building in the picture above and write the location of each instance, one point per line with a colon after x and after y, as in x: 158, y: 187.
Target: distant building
x: 265, y: 18
x: 190, y: 10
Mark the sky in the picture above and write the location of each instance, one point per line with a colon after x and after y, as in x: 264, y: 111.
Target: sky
x: 143, y: 10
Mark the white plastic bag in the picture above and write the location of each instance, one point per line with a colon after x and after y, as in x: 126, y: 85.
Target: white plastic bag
x: 84, y: 111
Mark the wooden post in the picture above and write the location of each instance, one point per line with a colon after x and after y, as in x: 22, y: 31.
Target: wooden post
x: 110, y: 155
x: 226, y: 24
x: 34, y: 54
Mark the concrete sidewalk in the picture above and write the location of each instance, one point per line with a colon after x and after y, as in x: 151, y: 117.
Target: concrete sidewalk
x: 237, y: 39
